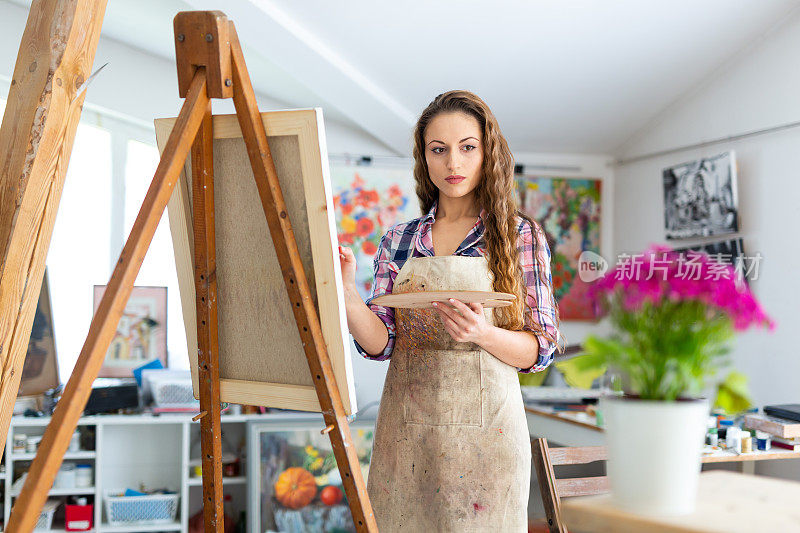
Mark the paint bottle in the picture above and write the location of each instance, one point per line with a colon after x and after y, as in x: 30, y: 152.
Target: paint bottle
x: 747, y: 442
x: 33, y: 443
x: 733, y: 439
x: 75, y: 442
x: 723, y: 428
x: 20, y: 443
x: 712, y: 437
x: 763, y: 440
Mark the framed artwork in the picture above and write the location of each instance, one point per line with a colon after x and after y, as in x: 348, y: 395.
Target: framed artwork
x: 40, y: 370
x: 262, y: 357
x: 298, y: 486
x: 141, y: 335
x: 568, y: 209
x: 700, y: 197
x: 730, y: 252
x: 368, y: 200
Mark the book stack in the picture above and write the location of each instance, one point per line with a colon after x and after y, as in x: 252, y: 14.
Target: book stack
x: 785, y: 433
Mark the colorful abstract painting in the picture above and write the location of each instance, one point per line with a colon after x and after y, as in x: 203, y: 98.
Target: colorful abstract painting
x: 569, y: 211
x: 369, y: 200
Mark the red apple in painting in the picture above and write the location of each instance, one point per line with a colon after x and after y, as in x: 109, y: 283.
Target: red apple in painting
x: 330, y: 495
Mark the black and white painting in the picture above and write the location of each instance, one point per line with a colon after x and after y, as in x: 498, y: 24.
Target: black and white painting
x: 729, y: 252
x: 700, y: 197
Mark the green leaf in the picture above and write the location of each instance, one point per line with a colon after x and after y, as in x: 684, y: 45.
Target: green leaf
x: 733, y: 394
x: 533, y: 379
x: 582, y: 370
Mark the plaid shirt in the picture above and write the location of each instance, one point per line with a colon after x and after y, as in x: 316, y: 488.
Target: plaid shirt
x: 413, y: 239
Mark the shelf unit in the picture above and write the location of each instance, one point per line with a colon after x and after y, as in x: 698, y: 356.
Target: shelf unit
x: 133, y: 449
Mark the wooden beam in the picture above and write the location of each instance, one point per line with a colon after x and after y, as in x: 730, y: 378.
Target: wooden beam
x: 44, y: 106
x: 582, y: 486
x: 56, y: 438
x: 582, y: 455
x: 201, y: 40
x: 205, y: 279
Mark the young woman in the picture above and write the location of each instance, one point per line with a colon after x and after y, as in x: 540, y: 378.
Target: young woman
x: 452, y: 449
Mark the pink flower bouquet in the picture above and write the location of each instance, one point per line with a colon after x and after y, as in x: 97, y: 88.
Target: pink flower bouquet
x: 674, y: 315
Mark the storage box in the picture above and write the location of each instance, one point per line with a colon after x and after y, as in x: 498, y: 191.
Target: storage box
x: 45, y: 521
x: 78, y: 517
x: 152, y: 508
x: 169, y: 388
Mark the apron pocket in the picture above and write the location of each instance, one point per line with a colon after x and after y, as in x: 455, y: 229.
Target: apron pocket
x: 443, y: 388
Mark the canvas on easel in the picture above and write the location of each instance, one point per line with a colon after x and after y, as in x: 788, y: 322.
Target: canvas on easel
x: 40, y: 371
x: 262, y: 361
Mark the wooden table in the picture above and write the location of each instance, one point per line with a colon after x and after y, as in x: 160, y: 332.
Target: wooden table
x: 727, y: 502
x: 566, y: 428
x: 569, y: 428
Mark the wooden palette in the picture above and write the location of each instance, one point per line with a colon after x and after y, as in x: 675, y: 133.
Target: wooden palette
x: 421, y: 300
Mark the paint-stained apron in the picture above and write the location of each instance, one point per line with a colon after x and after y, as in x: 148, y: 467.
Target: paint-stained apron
x: 451, y: 450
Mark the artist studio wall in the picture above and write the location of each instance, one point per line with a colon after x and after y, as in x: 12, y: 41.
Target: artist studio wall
x: 758, y: 89
x: 121, y: 103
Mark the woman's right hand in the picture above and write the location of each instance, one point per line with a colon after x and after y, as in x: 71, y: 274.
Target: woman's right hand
x: 348, y: 263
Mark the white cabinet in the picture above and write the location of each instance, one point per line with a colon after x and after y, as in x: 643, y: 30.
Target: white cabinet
x: 138, y: 449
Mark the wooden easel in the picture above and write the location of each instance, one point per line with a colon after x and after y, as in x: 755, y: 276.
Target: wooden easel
x: 210, y: 65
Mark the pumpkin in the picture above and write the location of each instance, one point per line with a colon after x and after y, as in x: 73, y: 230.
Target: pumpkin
x: 295, y: 488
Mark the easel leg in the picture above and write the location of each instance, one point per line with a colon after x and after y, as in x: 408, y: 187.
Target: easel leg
x: 207, y: 342
x: 305, y: 313
x: 56, y: 438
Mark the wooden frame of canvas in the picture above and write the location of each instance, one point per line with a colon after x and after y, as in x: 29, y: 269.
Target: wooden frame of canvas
x: 305, y: 127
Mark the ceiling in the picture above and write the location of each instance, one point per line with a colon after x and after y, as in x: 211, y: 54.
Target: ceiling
x: 574, y: 77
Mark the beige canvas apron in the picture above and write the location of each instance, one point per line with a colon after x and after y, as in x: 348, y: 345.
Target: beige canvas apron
x: 451, y: 449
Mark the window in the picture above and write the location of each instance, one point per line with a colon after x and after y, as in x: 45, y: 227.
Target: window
x: 78, y: 257
x: 159, y: 263
x: 110, y: 169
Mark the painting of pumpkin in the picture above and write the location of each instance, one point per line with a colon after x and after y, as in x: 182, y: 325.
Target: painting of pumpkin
x: 295, y: 488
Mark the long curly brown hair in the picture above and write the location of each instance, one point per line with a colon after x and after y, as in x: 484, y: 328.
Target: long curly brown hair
x: 496, y: 193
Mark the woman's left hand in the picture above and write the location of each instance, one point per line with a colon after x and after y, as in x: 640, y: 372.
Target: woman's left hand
x: 464, y: 322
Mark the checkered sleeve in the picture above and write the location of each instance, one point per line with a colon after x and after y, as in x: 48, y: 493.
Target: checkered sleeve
x: 541, y: 319
x: 385, y: 272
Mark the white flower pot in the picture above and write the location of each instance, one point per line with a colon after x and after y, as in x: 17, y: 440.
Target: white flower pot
x: 654, y: 452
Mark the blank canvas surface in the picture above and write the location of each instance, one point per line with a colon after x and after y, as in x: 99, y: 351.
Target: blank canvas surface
x: 258, y: 338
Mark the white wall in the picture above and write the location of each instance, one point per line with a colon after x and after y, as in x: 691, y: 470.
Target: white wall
x: 758, y: 90
x: 141, y: 87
